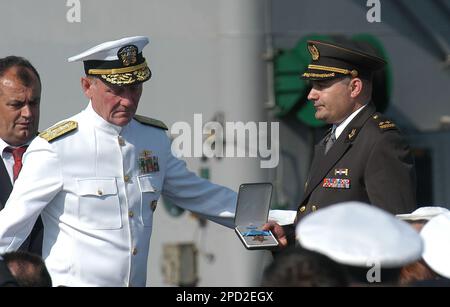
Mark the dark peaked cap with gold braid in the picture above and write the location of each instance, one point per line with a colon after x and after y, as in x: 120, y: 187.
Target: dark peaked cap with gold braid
x: 118, y: 62
x: 333, y: 61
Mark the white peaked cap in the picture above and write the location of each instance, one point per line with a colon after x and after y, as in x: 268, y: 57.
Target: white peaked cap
x: 118, y: 62
x: 357, y: 234
x: 108, y: 51
x: 423, y: 213
x: 436, y: 238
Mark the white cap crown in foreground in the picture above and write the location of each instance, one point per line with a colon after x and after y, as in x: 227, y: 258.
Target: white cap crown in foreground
x: 357, y: 234
x: 436, y: 239
x: 422, y: 213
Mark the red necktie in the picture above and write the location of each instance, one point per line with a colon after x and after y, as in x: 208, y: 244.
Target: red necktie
x: 17, y: 153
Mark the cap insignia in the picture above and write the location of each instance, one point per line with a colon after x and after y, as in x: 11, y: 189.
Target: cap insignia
x: 128, y: 55
x: 314, y: 52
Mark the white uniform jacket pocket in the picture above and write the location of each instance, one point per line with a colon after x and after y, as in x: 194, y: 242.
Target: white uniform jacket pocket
x: 150, y: 188
x: 98, y: 204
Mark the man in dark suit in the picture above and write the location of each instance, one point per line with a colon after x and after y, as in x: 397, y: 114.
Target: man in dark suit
x: 363, y: 157
x: 20, y: 94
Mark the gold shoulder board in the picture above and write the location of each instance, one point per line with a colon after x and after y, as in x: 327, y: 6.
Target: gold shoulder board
x: 59, y: 130
x: 150, y: 122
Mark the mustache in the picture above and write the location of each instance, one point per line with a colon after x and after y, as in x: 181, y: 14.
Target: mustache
x: 123, y: 109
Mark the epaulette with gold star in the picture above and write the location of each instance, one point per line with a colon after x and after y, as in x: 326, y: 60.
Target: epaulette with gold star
x: 383, y: 123
x: 150, y: 122
x: 59, y: 130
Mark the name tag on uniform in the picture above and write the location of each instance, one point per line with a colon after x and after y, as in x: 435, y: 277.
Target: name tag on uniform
x: 145, y: 184
x: 336, y: 183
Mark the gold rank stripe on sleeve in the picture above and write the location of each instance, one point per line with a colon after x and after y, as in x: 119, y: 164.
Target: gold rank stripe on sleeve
x: 59, y: 130
x: 150, y: 122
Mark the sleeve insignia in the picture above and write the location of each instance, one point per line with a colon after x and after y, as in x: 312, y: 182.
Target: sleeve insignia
x: 150, y: 122
x: 59, y: 130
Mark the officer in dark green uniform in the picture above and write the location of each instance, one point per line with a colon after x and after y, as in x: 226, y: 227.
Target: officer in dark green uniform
x: 363, y: 157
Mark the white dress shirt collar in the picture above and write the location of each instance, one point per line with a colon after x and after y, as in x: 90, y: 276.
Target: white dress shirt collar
x: 3, y: 145
x: 7, y: 157
x: 340, y: 128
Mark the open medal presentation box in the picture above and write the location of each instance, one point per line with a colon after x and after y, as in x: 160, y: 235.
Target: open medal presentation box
x: 252, y: 211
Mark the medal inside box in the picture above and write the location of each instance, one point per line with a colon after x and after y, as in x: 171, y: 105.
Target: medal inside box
x: 252, y: 211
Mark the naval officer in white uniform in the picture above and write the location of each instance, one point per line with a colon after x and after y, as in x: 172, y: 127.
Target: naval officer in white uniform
x: 96, y: 178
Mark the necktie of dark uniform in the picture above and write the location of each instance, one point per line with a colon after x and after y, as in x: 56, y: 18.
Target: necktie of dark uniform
x: 17, y: 153
x: 331, y: 140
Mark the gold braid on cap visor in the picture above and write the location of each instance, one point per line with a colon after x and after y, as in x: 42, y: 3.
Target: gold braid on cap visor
x: 353, y: 72
x: 117, y: 70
